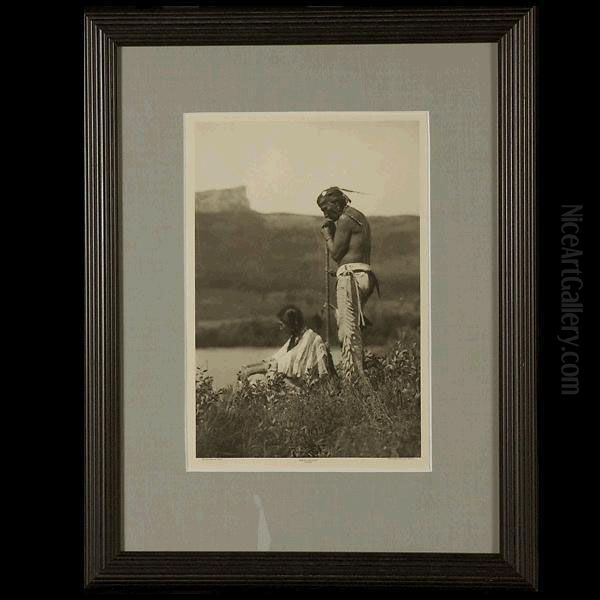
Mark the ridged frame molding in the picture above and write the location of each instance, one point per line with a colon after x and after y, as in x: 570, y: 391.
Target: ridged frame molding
x: 107, y: 565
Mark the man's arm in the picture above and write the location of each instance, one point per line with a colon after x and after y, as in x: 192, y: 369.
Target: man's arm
x: 338, y: 243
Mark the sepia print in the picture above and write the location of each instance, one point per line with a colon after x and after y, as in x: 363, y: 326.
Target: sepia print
x: 307, y: 273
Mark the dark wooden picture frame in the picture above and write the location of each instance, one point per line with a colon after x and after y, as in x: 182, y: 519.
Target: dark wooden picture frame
x: 107, y: 566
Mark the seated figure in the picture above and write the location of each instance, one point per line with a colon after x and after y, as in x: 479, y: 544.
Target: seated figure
x: 303, y: 353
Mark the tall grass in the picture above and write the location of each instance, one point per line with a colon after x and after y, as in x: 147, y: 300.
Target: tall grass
x: 319, y: 418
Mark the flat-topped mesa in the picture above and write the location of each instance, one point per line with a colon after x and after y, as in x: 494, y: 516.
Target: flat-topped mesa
x: 225, y: 200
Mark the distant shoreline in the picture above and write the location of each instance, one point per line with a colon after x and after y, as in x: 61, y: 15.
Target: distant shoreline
x: 265, y: 333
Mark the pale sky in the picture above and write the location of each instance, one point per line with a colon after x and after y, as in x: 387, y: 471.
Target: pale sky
x: 285, y: 165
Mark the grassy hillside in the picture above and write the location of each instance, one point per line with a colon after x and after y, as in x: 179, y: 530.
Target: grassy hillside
x: 249, y: 264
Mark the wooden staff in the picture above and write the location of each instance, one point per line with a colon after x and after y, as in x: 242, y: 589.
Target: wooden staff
x: 327, y: 327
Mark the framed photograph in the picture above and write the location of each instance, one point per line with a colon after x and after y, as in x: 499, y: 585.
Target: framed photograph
x: 310, y: 298
x: 285, y: 368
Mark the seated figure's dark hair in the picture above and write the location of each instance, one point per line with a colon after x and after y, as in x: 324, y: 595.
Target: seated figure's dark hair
x: 292, y: 316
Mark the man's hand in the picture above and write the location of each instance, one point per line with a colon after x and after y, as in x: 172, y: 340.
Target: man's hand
x: 327, y: 306
x: 328, y: 230
x: 336, y: 313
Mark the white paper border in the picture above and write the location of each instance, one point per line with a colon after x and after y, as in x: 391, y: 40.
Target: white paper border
x: 407, y: 465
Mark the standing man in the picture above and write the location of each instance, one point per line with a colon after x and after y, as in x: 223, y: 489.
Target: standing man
x: 348, y: 237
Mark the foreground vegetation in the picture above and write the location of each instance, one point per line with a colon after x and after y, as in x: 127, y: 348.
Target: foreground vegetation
x: 318, y: 418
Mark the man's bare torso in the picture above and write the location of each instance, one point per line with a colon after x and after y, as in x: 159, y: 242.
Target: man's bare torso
x: 359, y: 244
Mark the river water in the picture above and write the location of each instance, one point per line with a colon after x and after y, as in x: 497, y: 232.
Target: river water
x: 223, y: 364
